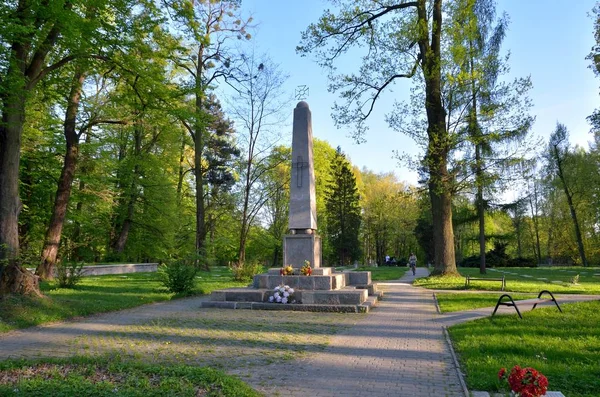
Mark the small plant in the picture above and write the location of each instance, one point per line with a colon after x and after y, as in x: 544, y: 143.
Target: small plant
x: 282, y: 294
x: 525, y: 382
x: 306, y: 269
x: 246, y: 271
x: 575, y: 279
x: 178, y: 277
x: 287, y: 270
x: 69, y: 274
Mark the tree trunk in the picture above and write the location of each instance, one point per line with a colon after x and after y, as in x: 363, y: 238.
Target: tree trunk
x: 440, y: 182
x: 198, y: 152
x: 123, y: 234
x: 13, y: 278
x: 45, y: 269
x: 561, y: 175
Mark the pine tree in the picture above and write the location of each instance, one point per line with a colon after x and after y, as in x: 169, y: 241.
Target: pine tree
x: 343, y: 211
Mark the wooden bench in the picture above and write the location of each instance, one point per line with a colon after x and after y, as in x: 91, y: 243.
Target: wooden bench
x: 534, y: 301
x: 469, y: 279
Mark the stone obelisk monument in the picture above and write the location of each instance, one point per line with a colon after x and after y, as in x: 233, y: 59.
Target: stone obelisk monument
x: 302, y: 243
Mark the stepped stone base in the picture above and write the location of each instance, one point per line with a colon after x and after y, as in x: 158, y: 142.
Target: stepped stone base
x: 325, y: 290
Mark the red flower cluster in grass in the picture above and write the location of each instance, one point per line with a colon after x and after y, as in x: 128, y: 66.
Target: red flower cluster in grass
x: 527, y: 382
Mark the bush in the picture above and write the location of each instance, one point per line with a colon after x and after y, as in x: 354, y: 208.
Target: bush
x: 69, y: 274
x: 470, y: 261
x: 178, y: 277
x: 522, y: 262
x: 246, y: 271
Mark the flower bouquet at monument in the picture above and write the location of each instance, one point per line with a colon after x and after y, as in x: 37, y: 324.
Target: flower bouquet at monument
x: 282, y: 294
x: 286, y: 270
x: 525, y: 382
x: 306, y: 269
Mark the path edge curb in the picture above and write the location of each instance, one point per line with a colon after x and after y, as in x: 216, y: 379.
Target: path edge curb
x: 455, y: 360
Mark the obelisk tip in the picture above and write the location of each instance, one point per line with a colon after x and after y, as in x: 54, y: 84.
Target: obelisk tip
x: 302, y: 104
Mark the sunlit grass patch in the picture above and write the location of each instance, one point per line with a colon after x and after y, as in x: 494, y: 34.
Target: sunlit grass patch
x: 97, y: 294
x: 563, y: 346
x: 453, y: 302
x: 113, y: 377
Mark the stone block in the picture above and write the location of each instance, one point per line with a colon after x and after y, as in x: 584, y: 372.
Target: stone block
x: 261, y: 281
x: 274, y: 281
x: 338, y: 281
x: 322, y: 282
x: 340, y: 297
x: 300, y: 247
x: 217, y: 295
x: 218, y: 305
x: 244, y: 295
x: 306, y: 282
x: 292, y: 281
x: 360, y: 278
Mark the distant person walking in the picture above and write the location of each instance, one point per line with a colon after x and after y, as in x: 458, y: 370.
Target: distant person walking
x: 412, y: 262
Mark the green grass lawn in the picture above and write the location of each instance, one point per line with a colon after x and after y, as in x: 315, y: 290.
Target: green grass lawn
x: 563, y: 346
x: 384, y: 272
x: 113, y: 377
x: 454, y: 302
x: 557, y: 280
x: 99, y: 294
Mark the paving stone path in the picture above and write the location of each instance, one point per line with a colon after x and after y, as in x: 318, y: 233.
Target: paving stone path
x: 398, y: 349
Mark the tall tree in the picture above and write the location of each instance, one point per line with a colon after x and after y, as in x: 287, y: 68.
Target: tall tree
x: 496, y: 111
x: 401, y: 38
x: 343, y: 211
x: 258, y: 107
x: 558, y: 154
x: 38, y: 38
x: 208, y: 26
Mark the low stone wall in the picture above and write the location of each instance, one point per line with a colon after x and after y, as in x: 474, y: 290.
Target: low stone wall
x: 100, y: 270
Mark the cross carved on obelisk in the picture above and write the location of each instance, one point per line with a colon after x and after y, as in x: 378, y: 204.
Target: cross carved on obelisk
x: 299, y: 165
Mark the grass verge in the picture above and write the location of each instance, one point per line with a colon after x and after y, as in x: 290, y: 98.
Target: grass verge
x: 113, y: 377
x: 449, y: 302
x: 564, y: 347
x: 384, y: 273
x: 98, y: 294
x: 555, y: 279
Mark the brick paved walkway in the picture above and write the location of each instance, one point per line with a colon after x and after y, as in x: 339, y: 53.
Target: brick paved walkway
x: 398, y: 349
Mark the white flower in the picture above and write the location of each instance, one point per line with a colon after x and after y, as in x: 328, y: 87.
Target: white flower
x: 284, y: 300
x: 271, y: 299
x: 286, y: 294
x: 276, y: 289
x: 291, y: 291
x: 276, y: 294
x: 279, y: 299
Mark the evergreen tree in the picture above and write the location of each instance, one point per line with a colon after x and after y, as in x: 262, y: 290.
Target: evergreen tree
x: 343, y: 211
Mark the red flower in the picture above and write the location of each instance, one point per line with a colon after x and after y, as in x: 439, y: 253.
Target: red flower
x: 526, y: 381
x: 502, y: 373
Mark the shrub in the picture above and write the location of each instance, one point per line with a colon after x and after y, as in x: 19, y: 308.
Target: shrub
x: 178, y: 277
x: 246, y: 271
x: 522, y: 262
x: 69, y: 274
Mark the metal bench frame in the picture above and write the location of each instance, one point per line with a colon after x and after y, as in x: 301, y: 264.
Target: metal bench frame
x: 537, y: 301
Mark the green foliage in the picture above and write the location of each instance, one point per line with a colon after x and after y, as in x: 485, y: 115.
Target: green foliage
x: 343, y: 212
x: 178, y: 276
x: 246, y: 271
x: 68, y: 275
x: 79, y: 376
x: 563, y: 346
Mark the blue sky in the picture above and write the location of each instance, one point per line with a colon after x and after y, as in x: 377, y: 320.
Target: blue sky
x: 547, y: 39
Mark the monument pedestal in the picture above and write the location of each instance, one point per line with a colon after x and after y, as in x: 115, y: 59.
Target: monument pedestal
x: 300, y: 247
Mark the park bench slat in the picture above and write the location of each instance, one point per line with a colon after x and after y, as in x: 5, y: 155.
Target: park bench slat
x: 469, y: 279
